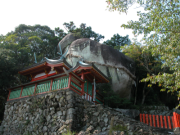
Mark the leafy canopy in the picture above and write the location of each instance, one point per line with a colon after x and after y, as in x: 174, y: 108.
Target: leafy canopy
x: 117, y: 41
x: 160, y: 24
x: 83, y: 31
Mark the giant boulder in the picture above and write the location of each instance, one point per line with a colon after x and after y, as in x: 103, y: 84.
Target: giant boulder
x: 111, y: 62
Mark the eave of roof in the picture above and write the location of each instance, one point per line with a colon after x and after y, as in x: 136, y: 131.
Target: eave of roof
x: 93, y: 67
x: 54, y: 62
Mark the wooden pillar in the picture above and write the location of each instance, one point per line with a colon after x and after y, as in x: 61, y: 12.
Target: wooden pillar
x: 150, y: 119
x: 157, y: 118
x: 165, y: 122
x: 87, y: 91
x: 154, y: 121
x: 147, y: 120
x: 169, y: 122
x: 178, y: 119
x: 35, y: 89
x: 161, y: 119
x: 82, y: 77
x: 141, y: 117
x: 175, y: 120
x: 69, y: 81
x: 176, y: 123
x: 144, y: 118
x: 21, y: 91
x: 51, y: 85
x: 8, y: 95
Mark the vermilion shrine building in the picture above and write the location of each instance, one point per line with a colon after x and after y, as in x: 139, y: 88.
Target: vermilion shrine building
x: 52, y: 75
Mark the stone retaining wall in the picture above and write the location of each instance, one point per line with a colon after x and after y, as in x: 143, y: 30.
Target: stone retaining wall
x: 57, y: 112
x: 42, y: 114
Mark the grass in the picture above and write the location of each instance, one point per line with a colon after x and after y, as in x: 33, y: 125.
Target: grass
x: 69, y: 132
x: 120, y: 127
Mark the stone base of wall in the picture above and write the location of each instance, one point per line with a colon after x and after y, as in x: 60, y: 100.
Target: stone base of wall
x: 60, y: 111
x: 41, y: 114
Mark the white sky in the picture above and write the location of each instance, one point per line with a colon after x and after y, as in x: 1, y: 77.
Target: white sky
x: 54, y: 13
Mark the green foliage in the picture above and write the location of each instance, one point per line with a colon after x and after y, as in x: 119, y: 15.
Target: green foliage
x: 120, y: 127
x: 83, y: 31
x: 160, y: 25
x: 117, y: 41
x: 8, y: 71
x: 147, y: 64
x: 69, y: 132
x: 112, y: 99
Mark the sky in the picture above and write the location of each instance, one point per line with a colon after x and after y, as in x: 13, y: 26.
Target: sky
x: 54, y: 13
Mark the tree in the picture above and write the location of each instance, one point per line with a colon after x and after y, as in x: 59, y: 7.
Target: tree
x: 117, y: 41
x: 8, y: 78
x: 160, y: 24
x: 83, y: 31
x: 145, y: 64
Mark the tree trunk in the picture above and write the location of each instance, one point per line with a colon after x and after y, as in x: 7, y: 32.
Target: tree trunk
x: 144, y: 95
x: 143, y: 99
x: 136, y: 90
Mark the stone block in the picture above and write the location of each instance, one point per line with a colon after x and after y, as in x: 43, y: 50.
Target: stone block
x: 96, y: 113
x: 69, y: 97
x: 103, y: 129
x: 70, y: 111
x: 69, y: 116
x: 45, y: 129
x: 59, y: 113
x: 48, y: 118
x: 106, y: 120
x: 69, y: 92
x: 70, y: 105
x: 64, y: 112
x: 176, y: 131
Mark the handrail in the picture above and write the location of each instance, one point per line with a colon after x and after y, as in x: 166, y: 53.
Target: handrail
x: 56, y: 82
x: 160, y: 121
x: 38, y: 81
x: 35, y: 88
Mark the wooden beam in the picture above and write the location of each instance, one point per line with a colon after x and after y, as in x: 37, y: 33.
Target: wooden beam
x: 8, y: 95
x: 80, y: 68
x: 51, y: 85
x: 21, y: 91
x: 82, y: 77
x: 88, y: 78
x: 35, y: 88
x: 24, y: 72
x: 69, y: 81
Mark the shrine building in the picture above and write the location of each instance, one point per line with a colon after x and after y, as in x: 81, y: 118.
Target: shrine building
x: 55, y: 75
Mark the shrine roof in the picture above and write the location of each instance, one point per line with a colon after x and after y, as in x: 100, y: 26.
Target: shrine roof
x: 45, y: 63
x: 85, y: 66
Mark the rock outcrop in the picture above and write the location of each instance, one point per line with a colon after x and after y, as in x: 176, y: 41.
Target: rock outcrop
x: 114, y: 64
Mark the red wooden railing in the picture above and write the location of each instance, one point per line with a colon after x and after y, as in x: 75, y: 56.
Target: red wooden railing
x: 167, y: 122
x: 34, y: 83
x: 78, y: 88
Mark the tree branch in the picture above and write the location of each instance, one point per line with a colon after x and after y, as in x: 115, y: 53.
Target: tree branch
x: 144, y: 66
